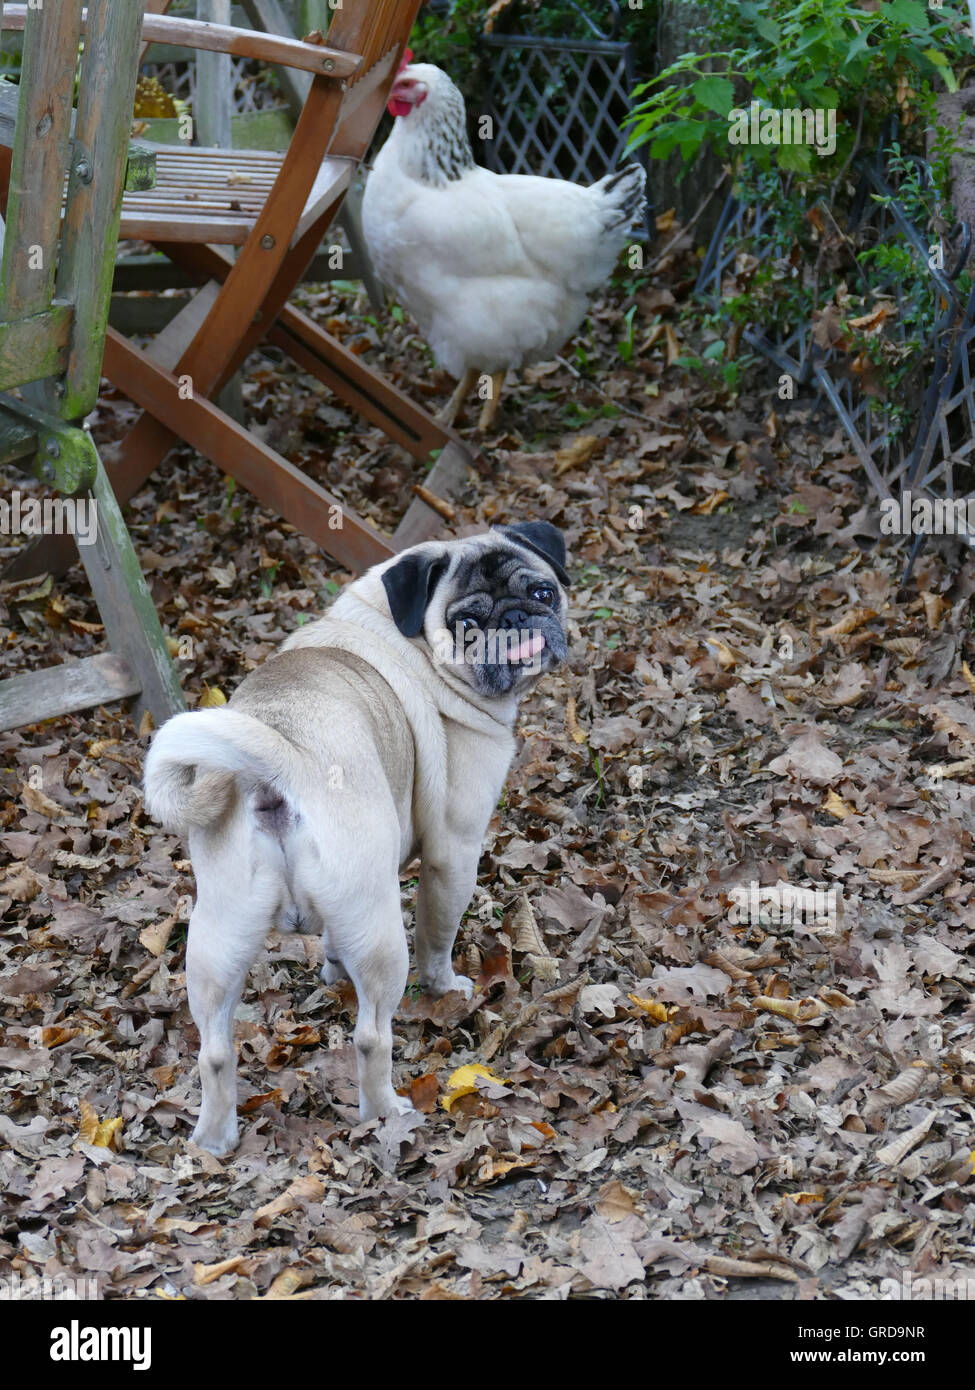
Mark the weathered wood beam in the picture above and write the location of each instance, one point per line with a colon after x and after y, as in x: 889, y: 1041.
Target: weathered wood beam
x: 58, y: 690
x: 40, y: 152
x: 240, y: 43
x: 91, y: 223
x: 34, y: 348
x: 214, y: 84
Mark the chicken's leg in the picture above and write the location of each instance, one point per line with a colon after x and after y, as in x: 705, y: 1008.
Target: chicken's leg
x: 490, y: 408
x: 449, y: 412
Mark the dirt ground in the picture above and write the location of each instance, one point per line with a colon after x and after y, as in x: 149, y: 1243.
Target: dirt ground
x: 692, y: 1092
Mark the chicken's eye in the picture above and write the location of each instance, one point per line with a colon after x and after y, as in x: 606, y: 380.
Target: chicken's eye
x: 543, y: 594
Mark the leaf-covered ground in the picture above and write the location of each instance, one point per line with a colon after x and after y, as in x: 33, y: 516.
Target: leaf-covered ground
x: 689, y: 1100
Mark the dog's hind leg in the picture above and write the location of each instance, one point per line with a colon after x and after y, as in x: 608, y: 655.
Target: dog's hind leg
x: 371, y: 945
x: 224, y: 939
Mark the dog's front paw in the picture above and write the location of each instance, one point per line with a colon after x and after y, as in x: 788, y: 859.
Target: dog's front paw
x: 219, y: 1142
x: 447, y: 983
x: 381, y: 1110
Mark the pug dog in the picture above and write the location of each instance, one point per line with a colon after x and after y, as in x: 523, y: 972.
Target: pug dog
x: 379, y: 732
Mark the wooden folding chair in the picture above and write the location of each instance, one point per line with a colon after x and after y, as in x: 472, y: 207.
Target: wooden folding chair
x: 53, y: 311
x: 276, y: 209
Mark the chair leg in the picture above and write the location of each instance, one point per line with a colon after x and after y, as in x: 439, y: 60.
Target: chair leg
x: 280, y: 485
x: 139, y: 454
x: 368, y: 393
x: 126, y: 607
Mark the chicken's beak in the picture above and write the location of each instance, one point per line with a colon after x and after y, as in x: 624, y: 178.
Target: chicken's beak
x: 406, y: 93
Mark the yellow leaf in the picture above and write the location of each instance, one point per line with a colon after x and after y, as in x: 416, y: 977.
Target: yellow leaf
x: 836, y: 806
x: 804, y: 1198
x: 99, y: 1133
x: 288, y: 1282
x: 873, y: 322
x: 88, y: 1127
x: 651, y: 1007
x: 966, y: 671
x: 305, y: 1189
x: 935, y: 607
x: 850, y: 621
x: 577, y: 454
x: 706, y: 508
x: 205, y: 1274
x: 101, y: 746
x: 463, y: 1082
x: 721, y: 651
x: 157, y: 934
x: 212, y: 697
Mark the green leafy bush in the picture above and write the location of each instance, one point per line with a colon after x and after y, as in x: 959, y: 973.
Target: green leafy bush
x: 860, y: 59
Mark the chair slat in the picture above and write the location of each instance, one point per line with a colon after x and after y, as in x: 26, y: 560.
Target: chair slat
x: 74, y: 685
x: 219, y: 38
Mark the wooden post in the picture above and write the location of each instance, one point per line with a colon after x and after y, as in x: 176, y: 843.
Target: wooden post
x: 124, y: 602
x: 313, y: 14
x: 40, y: 154
x: 95, y: 180
x: 214, y: 83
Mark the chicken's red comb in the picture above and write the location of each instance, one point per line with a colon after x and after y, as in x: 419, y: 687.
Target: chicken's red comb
x: 407, y: 58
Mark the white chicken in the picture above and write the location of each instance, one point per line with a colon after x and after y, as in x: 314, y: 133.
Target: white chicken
x: 496, y: 269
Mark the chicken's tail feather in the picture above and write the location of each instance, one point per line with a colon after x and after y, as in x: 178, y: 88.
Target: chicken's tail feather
x: 624, y: 193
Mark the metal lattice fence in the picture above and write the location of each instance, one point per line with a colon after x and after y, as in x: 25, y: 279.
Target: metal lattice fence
x: 924, y: 440
x: 558, y: 104
x: 254, y: 87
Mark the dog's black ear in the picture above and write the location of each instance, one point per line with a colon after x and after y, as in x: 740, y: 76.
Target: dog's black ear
x: 409, y: 586
x: 542, y: 537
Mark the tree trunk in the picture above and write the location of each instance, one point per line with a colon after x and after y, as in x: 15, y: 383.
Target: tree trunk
x: 673, y: 183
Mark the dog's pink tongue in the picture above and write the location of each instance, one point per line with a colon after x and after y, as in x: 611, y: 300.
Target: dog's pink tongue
x: 530, y: 648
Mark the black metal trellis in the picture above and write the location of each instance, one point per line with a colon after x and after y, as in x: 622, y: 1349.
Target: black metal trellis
x: 253, y: 85
x: 558, y: 104
x: 937, y: 457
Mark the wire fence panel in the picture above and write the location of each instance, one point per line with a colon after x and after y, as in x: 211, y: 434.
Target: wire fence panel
x: 923, y: 439
x: 557, y: 105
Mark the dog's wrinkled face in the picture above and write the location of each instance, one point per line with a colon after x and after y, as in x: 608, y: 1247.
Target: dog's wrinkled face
x: 492, y: 608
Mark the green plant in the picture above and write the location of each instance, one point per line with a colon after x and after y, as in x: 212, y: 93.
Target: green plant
x: 814, y: 54
x: 625, y: 346
x: 718, y: 372
x: 268, y: 578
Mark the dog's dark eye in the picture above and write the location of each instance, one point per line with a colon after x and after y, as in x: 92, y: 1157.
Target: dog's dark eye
x: 467, y: 624
x: 542, y: 594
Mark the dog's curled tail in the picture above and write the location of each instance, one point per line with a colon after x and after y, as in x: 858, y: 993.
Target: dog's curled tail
x: 213, y: 741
